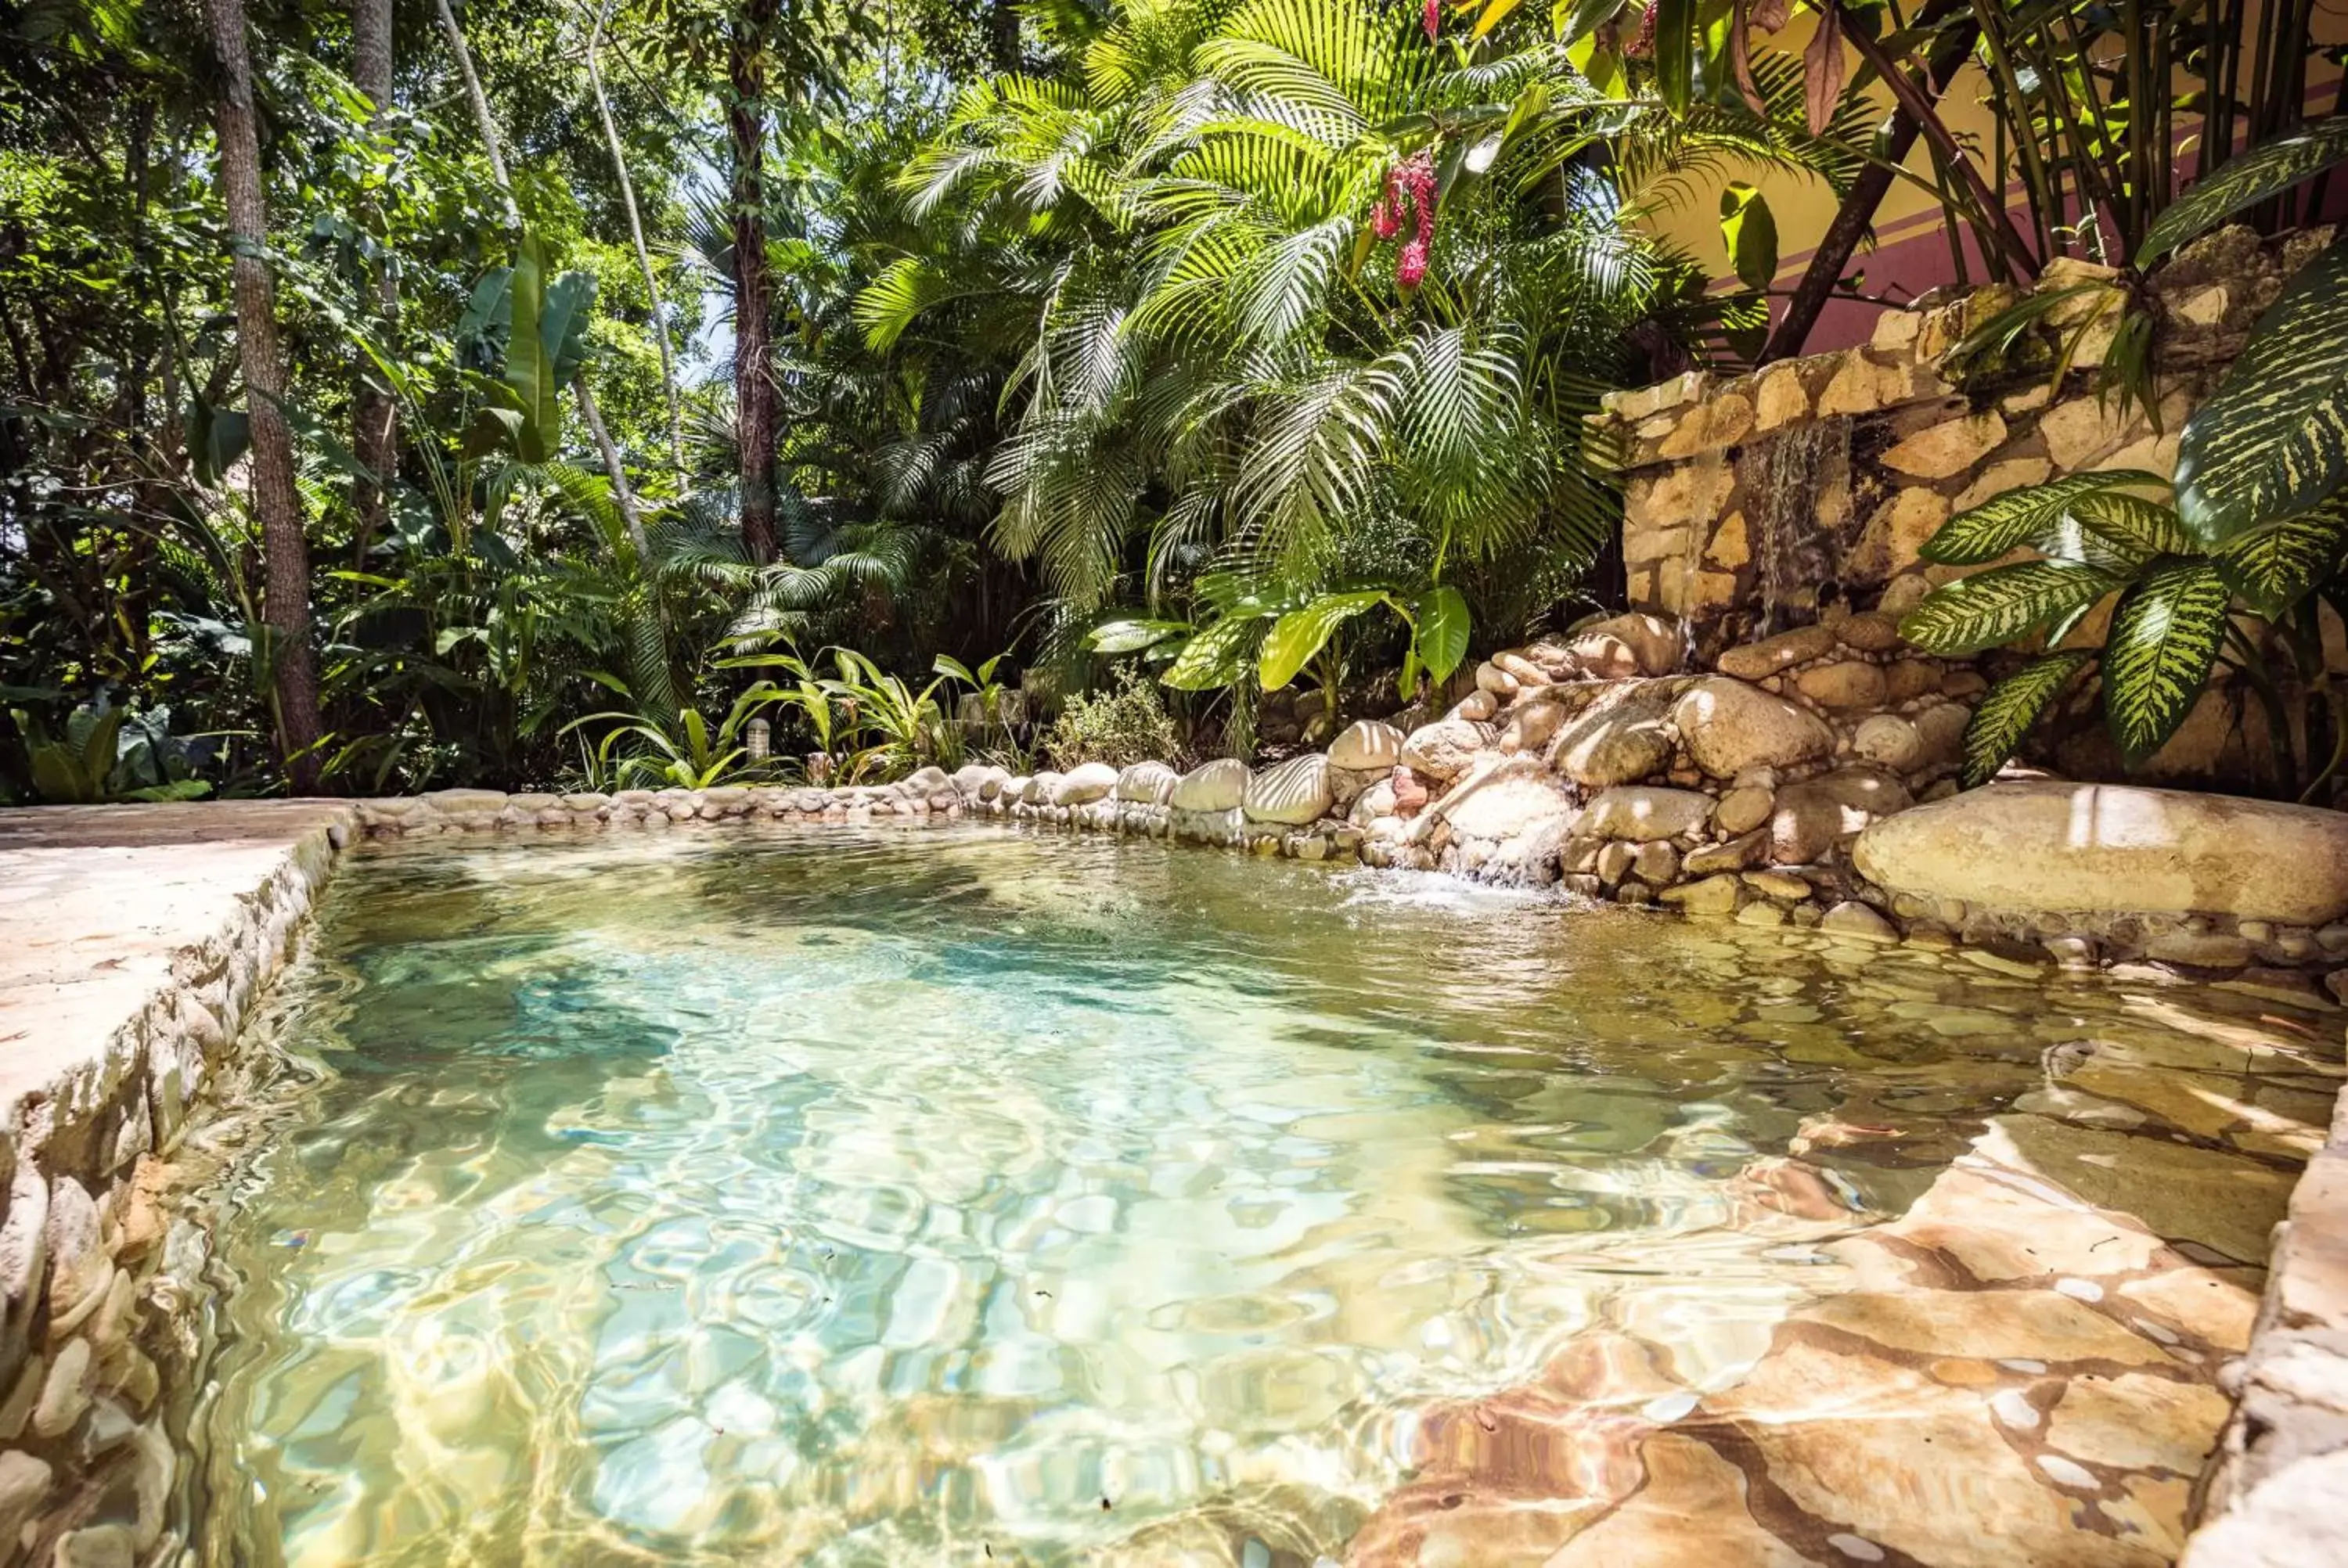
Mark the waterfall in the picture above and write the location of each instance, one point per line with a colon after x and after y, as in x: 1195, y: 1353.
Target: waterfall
x: 1795, y: 554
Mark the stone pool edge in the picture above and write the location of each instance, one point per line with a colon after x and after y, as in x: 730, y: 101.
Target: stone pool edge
x: 77, y: 1265
x: 102, y: 1279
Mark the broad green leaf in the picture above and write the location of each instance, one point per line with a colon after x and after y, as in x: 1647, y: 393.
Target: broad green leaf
x: 2009, y: 710
x: 2019, y: 517
x: 1126, y: 637
x: 1213, y: 657
x: 1751, y: 233
x: 2272, y: 440
x: 1495, y: 13
x: 1577, y: 19
x: 1675, y: 53
x: 529, y: 369
x: 2275, y: 567
x: 1441, y: 641
x: 2256, y: 176
x: 481, y: 331
x: 562, y: 323
x: 98, y: 746
x: 2165, y: 636
x: 1299, y: 634
x: 2001, y: 604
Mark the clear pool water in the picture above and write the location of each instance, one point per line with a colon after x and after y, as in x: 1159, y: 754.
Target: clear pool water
x: 892, y: 1197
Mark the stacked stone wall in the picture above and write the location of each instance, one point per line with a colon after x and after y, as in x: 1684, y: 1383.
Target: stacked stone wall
x: 1763, y: 502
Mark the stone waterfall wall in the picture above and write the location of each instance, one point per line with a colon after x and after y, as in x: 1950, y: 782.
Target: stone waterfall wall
x: 1774, y: 500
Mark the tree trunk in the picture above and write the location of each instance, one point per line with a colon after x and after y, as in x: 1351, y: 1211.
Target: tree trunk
x: 754, y: 387
x: 375, y: 416
x: 1003, y: 35
x: 636, y: 234
x: 1856, y: 214
x: 493, y: 145
x: 621, y: 497
x: 285, y: 553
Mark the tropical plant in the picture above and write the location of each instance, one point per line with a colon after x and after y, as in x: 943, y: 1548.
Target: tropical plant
x: 679, y: 751
x: 1233, y: 375
x: 2183, y: 606
x: 106, y: 753
x: 1125, y: 725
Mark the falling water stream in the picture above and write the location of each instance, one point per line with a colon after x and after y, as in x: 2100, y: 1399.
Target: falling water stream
x: 1793, y: 553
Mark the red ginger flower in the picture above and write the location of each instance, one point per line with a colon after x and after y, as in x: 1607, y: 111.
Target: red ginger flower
x: 1433, y: 17
x: 1642, y: 46
x: 1410, y: 263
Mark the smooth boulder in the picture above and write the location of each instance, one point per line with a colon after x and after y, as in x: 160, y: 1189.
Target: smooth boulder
x: 1624, y: 740
x: 1728, y: 726
x: 1085, y: 782
x: 1219, y: 785
x: 1442, y: 750
x: 1627, y: 644
x: 1367, y: 745
x: 1639, y: 814
x: 1148, y: 784
x: 2116, y: 849
x: 1291, y: 795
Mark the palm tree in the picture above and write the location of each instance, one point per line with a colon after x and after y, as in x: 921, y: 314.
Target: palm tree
x: 1230, y: 367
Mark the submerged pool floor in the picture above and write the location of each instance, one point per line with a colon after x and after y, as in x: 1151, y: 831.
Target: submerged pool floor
x: 954, y: 1195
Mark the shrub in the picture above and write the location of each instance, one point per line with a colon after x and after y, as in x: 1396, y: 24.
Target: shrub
x: 1120, y: 727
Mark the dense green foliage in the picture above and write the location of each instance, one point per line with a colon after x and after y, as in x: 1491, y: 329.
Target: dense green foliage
x: 641, y: 357
x: 1059, y: 312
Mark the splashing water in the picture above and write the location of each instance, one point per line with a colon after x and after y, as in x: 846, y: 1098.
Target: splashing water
x: 850, y: 1197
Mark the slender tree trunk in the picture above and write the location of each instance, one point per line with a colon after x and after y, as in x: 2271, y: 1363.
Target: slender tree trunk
x: 285, y: 553
x: 494, y: 147
x: 754, y: 387
x: 636, y: 234
x: 621, y: 494
x: 1857, y: 213
x: 375, y: 416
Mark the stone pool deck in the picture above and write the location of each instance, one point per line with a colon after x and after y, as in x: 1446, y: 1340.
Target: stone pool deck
x: 134, y: 945
x: 136, y: 941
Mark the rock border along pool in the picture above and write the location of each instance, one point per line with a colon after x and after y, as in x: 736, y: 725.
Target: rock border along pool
x: 141, y: 941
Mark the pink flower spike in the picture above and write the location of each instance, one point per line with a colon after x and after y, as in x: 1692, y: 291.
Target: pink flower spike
x: 1410, y: 264
x: 1434, y: 19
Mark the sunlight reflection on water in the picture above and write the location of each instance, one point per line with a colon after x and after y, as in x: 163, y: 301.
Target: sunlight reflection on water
x: 955, y: 1195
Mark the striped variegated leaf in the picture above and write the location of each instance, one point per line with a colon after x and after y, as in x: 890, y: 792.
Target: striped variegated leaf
x: 2275, y: 567
x: 2272, y: 440
x: 2244, y: 183
x: 2142, y: 528
x: 2001, y: 604
x: 2023, y: 517
x: 2165, y: 636
x: 2010, y: 708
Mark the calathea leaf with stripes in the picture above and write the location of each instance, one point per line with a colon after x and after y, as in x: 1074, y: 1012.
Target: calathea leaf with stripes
x: 2003, y: 604
x: 2165, y: 638
x: 2032, y: 516
x: 2272, y: 441
x: 2010, y: 707
x: 2274, y: 567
